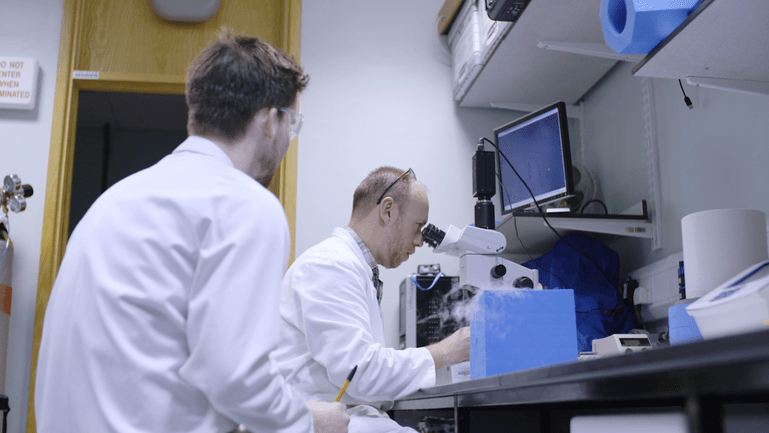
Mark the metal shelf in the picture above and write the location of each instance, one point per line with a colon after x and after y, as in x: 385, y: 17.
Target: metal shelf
x: 724, y: 40
x: 538, y: 238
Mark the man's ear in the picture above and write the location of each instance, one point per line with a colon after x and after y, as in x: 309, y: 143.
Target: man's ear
x: 268, y: 121
x: 387, y: 211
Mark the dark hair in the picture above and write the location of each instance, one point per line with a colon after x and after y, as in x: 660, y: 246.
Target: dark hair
x: 234, y: 78
x: 369, y: 190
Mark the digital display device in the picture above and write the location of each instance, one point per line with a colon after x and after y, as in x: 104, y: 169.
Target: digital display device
x: 537, y: 145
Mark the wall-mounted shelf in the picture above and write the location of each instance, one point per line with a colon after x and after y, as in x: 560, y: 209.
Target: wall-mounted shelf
x: 538, y: 238
x: 521, y: 72
x: 723, y: 39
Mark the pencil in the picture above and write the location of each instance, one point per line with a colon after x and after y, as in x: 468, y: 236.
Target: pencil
x: 346, y: 382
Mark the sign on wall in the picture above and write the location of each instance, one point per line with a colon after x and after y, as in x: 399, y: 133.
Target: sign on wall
x: 18, y: 83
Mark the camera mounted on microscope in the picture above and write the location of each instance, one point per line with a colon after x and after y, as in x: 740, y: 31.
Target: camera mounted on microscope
x: 484, y: 186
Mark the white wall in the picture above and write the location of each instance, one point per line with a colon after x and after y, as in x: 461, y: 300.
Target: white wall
x: 380, y: 94
x: 711, y: 157
x: 30, y: 28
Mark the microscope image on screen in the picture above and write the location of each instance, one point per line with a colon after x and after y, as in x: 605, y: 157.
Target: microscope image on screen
x: 537, y: 145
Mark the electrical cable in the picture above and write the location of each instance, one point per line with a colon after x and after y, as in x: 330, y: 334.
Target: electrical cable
x: 595, y: 200
x: 520, y: 241
x: 542, y: 214
x: 631, y: 286
x: 686, y: 98
x: 435, y: 280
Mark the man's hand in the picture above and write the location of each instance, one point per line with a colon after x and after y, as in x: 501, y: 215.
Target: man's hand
x: 329, y: 417
x: 454, y: 348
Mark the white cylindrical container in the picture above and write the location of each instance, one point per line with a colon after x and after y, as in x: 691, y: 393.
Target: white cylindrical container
x: 718, y: 244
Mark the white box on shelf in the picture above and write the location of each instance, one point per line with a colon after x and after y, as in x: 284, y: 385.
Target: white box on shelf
x: 492, y: 33
x: 465, y: 43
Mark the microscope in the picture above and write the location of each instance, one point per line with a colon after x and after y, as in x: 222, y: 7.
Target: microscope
x: 478, y: 246
x: 479, y: 262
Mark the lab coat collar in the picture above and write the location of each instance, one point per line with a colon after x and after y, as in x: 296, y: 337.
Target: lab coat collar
x: 343, y: 234
x: 363, y: 248
x: 204, y: 146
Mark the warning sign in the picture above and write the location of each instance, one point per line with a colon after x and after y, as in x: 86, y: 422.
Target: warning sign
x: 18, y: 83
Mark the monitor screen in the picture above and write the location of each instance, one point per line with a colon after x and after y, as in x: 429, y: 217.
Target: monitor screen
x: 537, y: 145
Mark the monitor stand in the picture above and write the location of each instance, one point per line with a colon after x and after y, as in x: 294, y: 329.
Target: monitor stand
x: 564, y: 209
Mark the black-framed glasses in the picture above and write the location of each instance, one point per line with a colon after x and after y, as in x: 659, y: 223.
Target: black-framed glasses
x: 396, y: 181
x: 295, y: 120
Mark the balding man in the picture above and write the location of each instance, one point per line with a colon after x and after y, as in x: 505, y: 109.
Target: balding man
x: 330, y: 313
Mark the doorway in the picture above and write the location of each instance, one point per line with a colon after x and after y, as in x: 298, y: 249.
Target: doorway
x: 118, y: 134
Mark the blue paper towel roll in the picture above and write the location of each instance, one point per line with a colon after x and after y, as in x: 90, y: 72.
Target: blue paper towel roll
x: 637, y: 26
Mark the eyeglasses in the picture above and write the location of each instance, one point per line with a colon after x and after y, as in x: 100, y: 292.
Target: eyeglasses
x: 295, y: 120
x: 396, y: 181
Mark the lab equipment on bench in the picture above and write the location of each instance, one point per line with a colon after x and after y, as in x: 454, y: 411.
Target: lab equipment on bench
x: 479, y: 263
x: 432, y: 307
x: 425, y: 305
x: 618, y: 344
x: 511, y: 329
x: 739, y: 305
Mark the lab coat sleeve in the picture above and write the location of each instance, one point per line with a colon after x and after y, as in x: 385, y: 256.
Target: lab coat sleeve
x: 233, y: 315
x: 337, y: 325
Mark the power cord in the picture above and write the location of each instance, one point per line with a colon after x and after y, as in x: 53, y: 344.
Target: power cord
x: 630, y: 286
x: 5, y: 408
x: 520, y: 241
x: 686, y: 98
x: 605, y: 210
x: 542, y: 214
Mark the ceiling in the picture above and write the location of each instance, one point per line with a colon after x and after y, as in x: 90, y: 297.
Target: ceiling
x: 132, y: 111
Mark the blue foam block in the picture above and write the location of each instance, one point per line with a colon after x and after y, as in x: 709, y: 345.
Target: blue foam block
x: 515, y: 330
x: 682, y: 327
x: 637, y: 26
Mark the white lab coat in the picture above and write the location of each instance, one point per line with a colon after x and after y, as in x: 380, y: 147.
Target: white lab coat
x: 331, y: 321
x: 164, y: 310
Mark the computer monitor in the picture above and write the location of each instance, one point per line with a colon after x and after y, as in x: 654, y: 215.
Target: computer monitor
x: 537, y: 145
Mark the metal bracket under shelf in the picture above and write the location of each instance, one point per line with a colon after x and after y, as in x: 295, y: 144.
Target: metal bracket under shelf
x: 741, y: 86
x: 528, y: 228
x: 528, y: 108
x: 588, y: 49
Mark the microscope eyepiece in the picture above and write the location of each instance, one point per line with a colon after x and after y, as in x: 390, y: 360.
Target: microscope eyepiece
x: 433, y: 236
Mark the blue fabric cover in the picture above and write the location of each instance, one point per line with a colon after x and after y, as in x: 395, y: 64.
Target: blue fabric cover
x: 594, y: 296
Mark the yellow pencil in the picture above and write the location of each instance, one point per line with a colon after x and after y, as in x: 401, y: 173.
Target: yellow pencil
x: 346, y: 382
